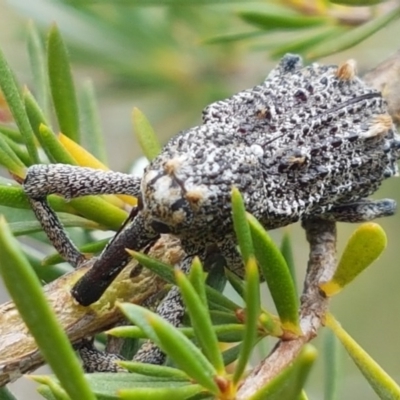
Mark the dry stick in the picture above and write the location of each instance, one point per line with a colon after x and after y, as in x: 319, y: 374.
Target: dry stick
x: 18, y: 351
x: 321, y: 265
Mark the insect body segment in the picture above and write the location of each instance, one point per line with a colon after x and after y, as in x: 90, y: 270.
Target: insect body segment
x: 308, y: 142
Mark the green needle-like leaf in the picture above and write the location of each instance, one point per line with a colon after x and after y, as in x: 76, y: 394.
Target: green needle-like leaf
x: 62, y: 86
x: 363, y: 248
x: 289, y: 383
x: 252, y: 300
x: 145, y: 135
x: 200, y: 320
x: 92, y: 135
x: 5, y: 394
x: 352, y: 37
x: 176, y: 345
x: 332, y: 365
x: 166, y: 272
x: 26, y: 292
x: 196, y: 278
x: 270, y: 17
x: 277, y: 275
x: 355, y: 3
x: 9, y: 160
x: 384, y: 386
x: 236, y: 283
x: 154, y: 370
x: 177, y: 393
x: 89, y: 248
x: 37, y: 60
x: 287, y: 252
x: 241, y: 226
x: 14, y: 101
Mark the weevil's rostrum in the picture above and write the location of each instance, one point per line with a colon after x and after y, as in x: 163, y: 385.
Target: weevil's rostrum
x: 308, y: 142
x: 302, y: 143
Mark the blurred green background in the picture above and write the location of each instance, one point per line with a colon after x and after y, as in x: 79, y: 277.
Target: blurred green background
x: 158, y: 59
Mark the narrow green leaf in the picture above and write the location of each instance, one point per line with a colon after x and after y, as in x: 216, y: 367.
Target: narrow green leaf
x: 196, y: 306
x: 14, y: 101
x: 36, y: 119
x: 176, y: 345
x: 9, y: 160
x: 145, y: 135
x: 302, y: 44
x: 364, y: 246
x: 216, y: 278
x: 92, y: 135
x: 154, y: 370
x: 177, y: 393
x: 14, y: 196
x: 241, y: 226
x: 12, y: 134
x: 332, y: 366
x: 89, y: 248
x: 37, y: 58
x: 52, y: 146
x: 5, y: 394
x: 356, y: 3
x: 353, y: 37
x: 252, y: 300
x: 19, y: 151
x: 56, y: 390
x: 277, y: 275
x: 383, y: 385
x: 287, y: 252
x: 235, y: 282
x: 231, y: 37
x: 229, y: 332
x: 232, y: 354
x: 270, y: 17
x: 196, y: 278
x: 165, y: 271
x: 62, y: 86
x: 30, y: 226
x: 289, y: 383
x: 25, y: 290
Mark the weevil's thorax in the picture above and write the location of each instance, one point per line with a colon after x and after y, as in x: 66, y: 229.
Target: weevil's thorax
x: 303, y: 141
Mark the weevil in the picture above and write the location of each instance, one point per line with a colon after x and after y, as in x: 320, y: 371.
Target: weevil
x: 309, y: 142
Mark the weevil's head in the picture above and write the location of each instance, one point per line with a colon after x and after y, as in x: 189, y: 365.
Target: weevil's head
x: 187, y: 187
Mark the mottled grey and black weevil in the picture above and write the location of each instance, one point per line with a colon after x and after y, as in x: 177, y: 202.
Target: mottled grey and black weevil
x: 308, y: 142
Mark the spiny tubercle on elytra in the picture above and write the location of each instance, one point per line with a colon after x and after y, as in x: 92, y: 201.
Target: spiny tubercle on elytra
x: 308, y: 142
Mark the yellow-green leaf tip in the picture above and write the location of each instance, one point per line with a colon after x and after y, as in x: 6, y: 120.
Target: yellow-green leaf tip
x: 363, y: 248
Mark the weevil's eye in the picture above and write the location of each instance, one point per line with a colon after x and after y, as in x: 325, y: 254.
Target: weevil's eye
x: 160, y: 227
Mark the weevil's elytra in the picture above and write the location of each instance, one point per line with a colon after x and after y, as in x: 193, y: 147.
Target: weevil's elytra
x: 308, y: 142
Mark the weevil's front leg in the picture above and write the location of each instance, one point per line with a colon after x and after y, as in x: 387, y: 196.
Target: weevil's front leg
x: 361, y: 211
x: 70, y: 182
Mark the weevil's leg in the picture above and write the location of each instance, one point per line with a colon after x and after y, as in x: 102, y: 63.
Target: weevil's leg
x: 134, y: 235
x: 70, y: 181
x: 361, y: 211
x: 94, y: 360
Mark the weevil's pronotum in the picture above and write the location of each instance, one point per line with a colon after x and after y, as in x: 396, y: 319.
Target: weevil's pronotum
x: 308, y: 142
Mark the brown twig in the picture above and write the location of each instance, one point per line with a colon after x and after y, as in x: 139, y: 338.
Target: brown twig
x: 18, y: 351
x: 321, y: 265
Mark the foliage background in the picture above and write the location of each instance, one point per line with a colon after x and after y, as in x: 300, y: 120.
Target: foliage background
x: 369, y: 308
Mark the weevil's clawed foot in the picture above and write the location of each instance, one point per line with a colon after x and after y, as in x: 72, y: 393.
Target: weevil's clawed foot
x: 361, y: 211
x: 94, y: 360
